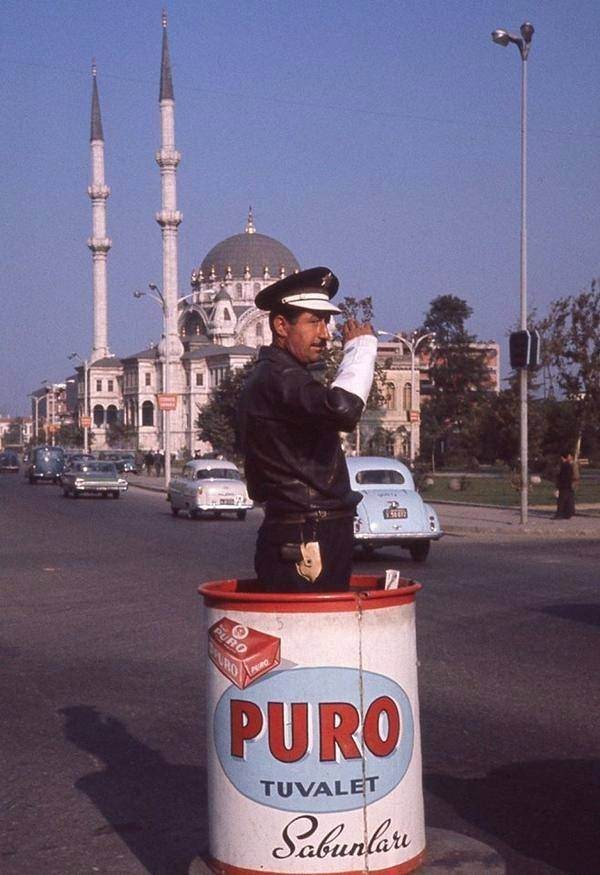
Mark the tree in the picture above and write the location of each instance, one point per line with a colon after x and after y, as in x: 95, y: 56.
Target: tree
x: 458, y: 378
x: 13, y: 437
x: 217, y: 419
x: 120, y: 435
x: 571, y: 356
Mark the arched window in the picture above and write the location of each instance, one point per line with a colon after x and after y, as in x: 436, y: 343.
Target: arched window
x: 193, y: 325
x: 112, y: 414
x: 147, y: 413
x: 98, y: 415
x: 256, y: 288
x: 407, y: 396
x: 238, y: 290
x: 390, y: 396
x: 226, y: 315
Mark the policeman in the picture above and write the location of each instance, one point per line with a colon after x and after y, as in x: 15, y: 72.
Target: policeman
x: 289, y: 426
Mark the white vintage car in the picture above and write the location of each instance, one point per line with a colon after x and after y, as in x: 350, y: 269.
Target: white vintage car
x: 391, y: 511
x: 209, y: 486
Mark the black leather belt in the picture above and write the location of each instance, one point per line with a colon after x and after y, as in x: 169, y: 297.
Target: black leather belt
x: 309, y: 516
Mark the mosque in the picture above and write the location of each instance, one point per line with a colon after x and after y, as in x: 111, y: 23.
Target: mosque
x: 209, y: 331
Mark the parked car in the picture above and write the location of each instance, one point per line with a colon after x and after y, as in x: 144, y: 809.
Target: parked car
x: 129, y: 463
x: 209, y: 486
x: 9, y: 461
x: 45, y: 464
x: 93, y: 478
x: 124, y: 462
x: 391, y: 510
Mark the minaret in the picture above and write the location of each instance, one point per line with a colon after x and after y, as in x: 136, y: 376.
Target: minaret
x: 99, y: 243
x: 169, y: 217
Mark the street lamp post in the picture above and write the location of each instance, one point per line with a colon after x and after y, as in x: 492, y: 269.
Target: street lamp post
x: 523, y: 43
x: 86, y: 399
x: 161, y: 301
x: 412, y: 345
x: 36, y: 400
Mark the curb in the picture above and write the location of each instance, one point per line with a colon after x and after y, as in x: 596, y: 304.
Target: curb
x: 148, y: 488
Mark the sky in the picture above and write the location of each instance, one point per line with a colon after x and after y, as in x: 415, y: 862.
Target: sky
x: 379, y: 138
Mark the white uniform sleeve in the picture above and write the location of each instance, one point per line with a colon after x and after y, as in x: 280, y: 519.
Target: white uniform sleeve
x: 355, y: 373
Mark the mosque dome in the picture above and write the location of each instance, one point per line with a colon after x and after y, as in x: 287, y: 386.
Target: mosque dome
x: 249, y: 253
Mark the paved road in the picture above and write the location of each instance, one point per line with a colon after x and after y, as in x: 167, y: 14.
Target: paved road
x: 101, y: 680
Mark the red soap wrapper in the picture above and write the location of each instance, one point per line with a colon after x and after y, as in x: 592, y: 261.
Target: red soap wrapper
x: 240, y: 653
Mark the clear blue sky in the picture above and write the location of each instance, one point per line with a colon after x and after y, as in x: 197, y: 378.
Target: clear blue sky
x: 380, y: 138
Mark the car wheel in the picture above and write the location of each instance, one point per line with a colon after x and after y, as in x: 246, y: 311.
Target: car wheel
x: 419, y: 550
x: 240, y: 514
x: 65, y: 493
x: 75, y: 494
x: 105, y: 495
x: 33, y: 481
x: 191, y: 513
x: 116, y: 494
x: 174, y: 510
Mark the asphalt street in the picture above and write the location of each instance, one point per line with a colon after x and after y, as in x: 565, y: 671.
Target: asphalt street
x: 101, y: 678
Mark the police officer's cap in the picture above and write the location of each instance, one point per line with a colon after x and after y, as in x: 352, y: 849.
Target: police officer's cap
x: 310, y: 289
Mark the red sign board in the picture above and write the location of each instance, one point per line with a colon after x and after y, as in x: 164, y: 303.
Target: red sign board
x: 86, y: 421
x: 415, y: 416
x: 167, y: 402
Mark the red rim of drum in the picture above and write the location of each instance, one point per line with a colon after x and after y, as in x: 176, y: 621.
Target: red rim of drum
x: 366, y: 593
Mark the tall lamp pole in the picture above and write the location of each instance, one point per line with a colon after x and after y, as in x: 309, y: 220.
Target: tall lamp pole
x: 161, y: 301
x: 523, y: 43
x: 86, y: 398
x: 36, y: 400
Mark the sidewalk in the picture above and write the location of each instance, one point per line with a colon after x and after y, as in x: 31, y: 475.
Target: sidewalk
x: 469, y: 519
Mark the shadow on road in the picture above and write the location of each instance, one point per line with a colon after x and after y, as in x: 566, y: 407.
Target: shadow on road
x: 156, y: 808
x: 545, y: 810
x: 581, y: 613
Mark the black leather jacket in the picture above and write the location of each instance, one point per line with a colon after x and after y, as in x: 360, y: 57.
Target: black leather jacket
x: 288, y: 429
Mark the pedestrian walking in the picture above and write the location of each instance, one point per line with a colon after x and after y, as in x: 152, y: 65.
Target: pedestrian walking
x: 289, y: 425
x: 149, y: 462
x: 159, y: 462
x: 565, y: 491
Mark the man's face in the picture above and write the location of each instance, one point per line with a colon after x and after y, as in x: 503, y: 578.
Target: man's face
x: 306, y: 339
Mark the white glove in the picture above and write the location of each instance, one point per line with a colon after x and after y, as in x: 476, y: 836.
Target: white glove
x: 355, y: 373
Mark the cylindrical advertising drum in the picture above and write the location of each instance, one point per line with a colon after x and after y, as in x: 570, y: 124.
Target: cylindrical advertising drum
x: 314, y: 755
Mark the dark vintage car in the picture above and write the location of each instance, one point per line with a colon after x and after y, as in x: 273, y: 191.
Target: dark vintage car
x: 93, y: 478
x: 45, y: 464
x: 124, y: 462
x: 9, y: 462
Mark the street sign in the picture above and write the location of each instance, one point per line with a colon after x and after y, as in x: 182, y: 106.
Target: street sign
x: 86, y: 421
x: 415, y: 416
x: 166, y: 401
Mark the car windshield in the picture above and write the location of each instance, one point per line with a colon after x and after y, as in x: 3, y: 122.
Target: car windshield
x: 379, y: 477
x: 100, y: 467
x: 218, y: 474
x: 49, y: 452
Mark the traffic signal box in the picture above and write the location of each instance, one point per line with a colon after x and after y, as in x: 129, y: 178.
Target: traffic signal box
x: 525, y: 348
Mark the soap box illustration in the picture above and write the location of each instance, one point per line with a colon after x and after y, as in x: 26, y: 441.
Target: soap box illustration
x: 240, y: 653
